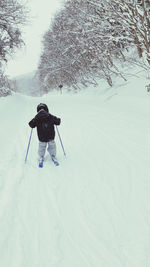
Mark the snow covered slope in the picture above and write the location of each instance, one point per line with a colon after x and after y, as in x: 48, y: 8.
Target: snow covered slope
x: 93, y: 210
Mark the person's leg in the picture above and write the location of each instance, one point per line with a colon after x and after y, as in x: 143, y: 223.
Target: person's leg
x: 52, y: 149
x: 41, y: 150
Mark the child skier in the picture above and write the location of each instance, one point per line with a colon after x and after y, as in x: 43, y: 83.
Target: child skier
x: 44, y: 121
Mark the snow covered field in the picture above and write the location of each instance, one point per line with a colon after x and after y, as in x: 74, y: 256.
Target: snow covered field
x: 94, y: 209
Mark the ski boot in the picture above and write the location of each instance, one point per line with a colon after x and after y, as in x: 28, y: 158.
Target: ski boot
x: 41, y: 163
x: 55, y: 161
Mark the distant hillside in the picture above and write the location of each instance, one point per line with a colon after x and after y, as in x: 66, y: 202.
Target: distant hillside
x: 26, y: 84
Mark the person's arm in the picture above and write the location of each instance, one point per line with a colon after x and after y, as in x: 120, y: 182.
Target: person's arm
x: 56, y: 120
x: 33, y: 123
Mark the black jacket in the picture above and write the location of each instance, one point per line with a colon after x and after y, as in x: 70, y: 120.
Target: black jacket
x: 45, y: 122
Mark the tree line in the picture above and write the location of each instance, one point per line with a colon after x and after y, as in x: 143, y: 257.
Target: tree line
x: 87, y: 38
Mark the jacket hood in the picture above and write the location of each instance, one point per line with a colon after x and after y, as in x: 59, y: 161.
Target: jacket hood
x: 42, y: 115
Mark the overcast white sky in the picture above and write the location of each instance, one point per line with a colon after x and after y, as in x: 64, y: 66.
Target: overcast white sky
x: 26, y: 59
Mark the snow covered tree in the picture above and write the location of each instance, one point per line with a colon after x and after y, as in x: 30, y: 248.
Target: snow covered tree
x: 81, y: 44
x: 12, y: 15
x: 135, y: 18
x: 4, y: 85
x: 87, y: 38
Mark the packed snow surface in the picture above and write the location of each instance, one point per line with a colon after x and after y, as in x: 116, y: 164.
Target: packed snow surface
x: 94, y: 209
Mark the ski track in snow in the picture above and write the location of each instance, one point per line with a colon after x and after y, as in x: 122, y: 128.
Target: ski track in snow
x: 92, y: 210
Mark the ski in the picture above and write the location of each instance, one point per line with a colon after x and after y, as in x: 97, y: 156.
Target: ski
x: 55, y: 162
x: 41, y: 164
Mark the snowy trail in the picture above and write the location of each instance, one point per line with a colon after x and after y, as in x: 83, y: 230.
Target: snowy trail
x: 92, y: 210
x: 26, y: 212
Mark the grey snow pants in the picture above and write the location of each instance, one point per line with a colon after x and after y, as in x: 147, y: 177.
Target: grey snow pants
x: 51, y: 149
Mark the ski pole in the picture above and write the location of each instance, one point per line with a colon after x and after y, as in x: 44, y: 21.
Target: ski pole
x: 28, y: 146
x: 61, y: 142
